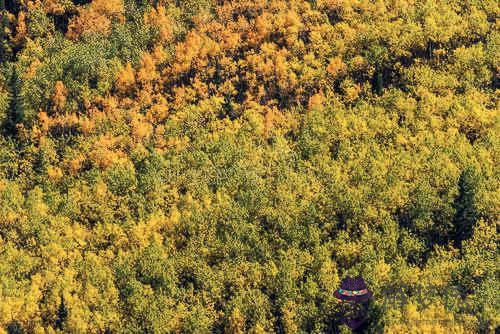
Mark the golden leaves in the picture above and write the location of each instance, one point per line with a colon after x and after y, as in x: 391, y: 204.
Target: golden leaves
x: 186, y: 52
x: 316, y: 101
x: 59, y: 96
x: 159, y: 18
x: 158, y: 112
x: 44, y: 121
x: 159, y: 55
x: 261, y: 62
x: 31, y: 70
x: 351, y: 90
x: 336, y: 67
x: 126, y: 79
x: 140, y: 128
x: 75, y: 164
x: 147, y: 70
x: 106, y: 151
x: 87, y: 125
x: 96, y: 18
x: 56, y: 7
x: 289, y: 315
x: 20, y: 29
x: 54, y: 173
x: 433, y: 318
x: 236, y: 322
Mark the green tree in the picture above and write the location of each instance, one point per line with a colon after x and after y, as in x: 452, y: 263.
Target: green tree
x: 465, y: 212
x: 62, y: 314
x: 15, y: 328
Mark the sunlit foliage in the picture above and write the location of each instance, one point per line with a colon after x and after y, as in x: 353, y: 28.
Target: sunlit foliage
x: 210, y: 166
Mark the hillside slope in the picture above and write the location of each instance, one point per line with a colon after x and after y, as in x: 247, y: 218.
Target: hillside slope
x: 213, y: 166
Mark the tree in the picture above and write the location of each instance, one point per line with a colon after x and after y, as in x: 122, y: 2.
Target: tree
x: 15, y: 112
x: 62, y: 314
x: 15, y: 328
x: 5, y: 46
x: 465, y: 212
x: 95, y: 18
x: 378, y: 82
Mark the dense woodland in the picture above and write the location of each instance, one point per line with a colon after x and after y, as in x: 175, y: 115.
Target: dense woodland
x: 215, y: 166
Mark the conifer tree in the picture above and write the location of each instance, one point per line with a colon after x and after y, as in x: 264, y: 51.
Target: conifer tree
x: 15, y: 328
x: 15, y: 109
x: 62, y: 314
x: 378, y: 82
x: 465, y: 212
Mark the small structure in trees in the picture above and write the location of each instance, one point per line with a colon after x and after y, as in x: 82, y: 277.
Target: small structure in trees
x: 355, y: 297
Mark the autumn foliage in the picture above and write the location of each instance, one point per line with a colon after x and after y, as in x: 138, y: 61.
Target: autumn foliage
x: 206, y: 166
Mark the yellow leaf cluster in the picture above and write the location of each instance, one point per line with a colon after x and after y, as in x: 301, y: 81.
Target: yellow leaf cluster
x: 125, y: 79
x: 20, y: 29
x: 54, y: 173
x: 336, y: 67
x: 96, y: 18
x: 59, y: 96
x: 159, y: 18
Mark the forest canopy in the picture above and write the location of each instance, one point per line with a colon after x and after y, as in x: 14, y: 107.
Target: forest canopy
x: 216, y: 166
